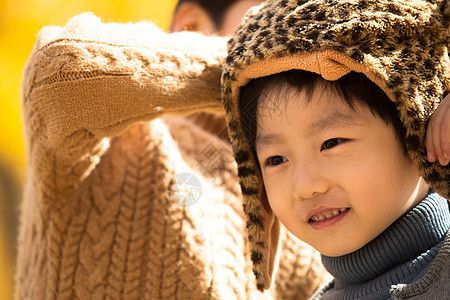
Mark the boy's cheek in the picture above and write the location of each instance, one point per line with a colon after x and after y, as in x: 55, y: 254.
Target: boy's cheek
x: 279, y: 200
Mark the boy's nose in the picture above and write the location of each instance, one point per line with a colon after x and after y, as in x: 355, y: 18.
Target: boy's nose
x: 309, y: 181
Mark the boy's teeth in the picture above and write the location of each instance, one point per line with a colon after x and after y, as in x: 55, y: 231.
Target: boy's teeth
x: 327, y: 215
x: 318, y: 218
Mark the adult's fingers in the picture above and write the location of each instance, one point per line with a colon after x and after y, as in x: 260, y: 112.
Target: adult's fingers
x: 438, y: 137
x: 444, y: 131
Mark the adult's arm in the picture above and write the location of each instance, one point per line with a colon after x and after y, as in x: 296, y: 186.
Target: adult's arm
x: 87, y: 81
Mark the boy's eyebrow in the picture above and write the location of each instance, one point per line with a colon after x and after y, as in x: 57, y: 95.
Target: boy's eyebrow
x: 262, y: 140
x: 336, y: 119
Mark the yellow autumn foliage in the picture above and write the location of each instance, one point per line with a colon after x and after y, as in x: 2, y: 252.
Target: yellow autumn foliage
x: 20, y: 20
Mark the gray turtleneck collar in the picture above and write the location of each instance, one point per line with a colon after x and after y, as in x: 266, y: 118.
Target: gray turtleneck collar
x: 400, y: 254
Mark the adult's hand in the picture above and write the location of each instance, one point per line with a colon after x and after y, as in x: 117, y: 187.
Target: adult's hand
x: 438, y: 134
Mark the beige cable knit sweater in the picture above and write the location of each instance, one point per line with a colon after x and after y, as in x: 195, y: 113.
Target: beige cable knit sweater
x: 102, y: 216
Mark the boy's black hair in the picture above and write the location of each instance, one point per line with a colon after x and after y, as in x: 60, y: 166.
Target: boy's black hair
x: 354, y: 89
x: 215, y: 8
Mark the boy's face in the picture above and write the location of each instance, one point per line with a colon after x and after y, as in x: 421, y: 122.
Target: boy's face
x: 336, y: 177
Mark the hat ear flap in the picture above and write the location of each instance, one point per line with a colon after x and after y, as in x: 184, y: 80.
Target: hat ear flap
x: 272, y: 245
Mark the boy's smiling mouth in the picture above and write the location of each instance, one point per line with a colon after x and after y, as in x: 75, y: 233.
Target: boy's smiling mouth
x: 323, y: 217
x: 327, y: 215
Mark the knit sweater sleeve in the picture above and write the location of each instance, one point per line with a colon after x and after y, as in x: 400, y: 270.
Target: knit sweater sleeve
x: 87, y: 81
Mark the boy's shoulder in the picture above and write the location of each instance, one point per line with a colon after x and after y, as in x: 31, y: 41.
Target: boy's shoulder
x: 435, y: 284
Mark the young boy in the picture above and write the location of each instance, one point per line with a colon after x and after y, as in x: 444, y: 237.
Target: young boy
x: 327, y: 105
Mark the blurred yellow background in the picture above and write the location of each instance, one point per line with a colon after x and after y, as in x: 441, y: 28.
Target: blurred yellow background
x: 20, y: 20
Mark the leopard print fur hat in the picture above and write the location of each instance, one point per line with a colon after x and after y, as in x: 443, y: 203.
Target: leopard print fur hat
x: 400, y: 45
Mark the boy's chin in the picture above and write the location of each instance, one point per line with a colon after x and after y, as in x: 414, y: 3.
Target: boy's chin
x: 346, y: 244
x: 334, y: 251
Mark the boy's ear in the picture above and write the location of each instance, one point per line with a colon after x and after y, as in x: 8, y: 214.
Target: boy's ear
x: 191, y: 16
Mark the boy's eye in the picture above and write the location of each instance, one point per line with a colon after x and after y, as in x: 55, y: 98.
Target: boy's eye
x: 275, y: 160
x: 331, y: 143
